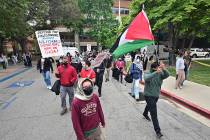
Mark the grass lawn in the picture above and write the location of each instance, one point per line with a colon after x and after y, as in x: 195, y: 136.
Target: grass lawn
x: 198, y: 73
x: 205, y: 61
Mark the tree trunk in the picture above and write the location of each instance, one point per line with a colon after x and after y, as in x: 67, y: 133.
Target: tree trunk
x: 76, y: 40
x: 171, y: 44
x: 1, y: 45
x: 183, y: 43
x: 191, y: 42
x: 22, y: 42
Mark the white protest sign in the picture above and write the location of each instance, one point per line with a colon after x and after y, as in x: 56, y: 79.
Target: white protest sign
x: 49, y: 43
x: 89, y: 47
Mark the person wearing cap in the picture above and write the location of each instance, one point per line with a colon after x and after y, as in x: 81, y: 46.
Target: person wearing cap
x: 68, y: 77
x: 87, y: 114
x: 153, y: 82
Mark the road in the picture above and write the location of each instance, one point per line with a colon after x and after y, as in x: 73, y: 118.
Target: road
x: 32, y: 113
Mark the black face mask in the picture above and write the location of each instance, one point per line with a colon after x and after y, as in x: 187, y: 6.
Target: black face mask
x: 88, y: 91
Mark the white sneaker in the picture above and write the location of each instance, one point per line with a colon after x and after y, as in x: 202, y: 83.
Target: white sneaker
x: 49, y: 87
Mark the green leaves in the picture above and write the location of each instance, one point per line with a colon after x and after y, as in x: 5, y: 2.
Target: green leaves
x: 190, y: 17
x: 99, y: 20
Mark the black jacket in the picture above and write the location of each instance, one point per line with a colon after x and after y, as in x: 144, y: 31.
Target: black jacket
x: 47, y: 65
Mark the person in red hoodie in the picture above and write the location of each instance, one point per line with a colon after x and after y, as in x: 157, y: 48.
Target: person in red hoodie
x: 68, y: 77
x: 87, y: 114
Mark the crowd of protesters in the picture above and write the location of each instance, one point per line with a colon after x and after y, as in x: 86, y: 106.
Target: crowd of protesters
x: 79, y: 79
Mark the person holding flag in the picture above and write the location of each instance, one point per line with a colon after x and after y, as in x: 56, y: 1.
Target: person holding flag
x: 153, y: 81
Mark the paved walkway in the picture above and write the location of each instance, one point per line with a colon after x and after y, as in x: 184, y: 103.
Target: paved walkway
x: 33, y: 114
x: 10, y: 69
x: 196, y: 94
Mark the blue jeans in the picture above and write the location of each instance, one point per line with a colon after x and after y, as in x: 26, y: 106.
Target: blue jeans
x: 63, y: 92
x: 46, y: 76
x: 135, y: 89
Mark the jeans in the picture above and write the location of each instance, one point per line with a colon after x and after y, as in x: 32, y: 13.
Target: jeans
x: 63, y: 92
x: 152, y: 108
x: 99, y: 81
x: 46, y: 76
x: 135, y: 89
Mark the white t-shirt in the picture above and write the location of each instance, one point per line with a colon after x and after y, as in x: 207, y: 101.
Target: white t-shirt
x: 179, y: 64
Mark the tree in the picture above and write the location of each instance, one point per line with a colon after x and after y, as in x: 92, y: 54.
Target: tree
x: 99, y: 21
x: 64, y: 12
x: 16, y: 17
x: 180, y: 19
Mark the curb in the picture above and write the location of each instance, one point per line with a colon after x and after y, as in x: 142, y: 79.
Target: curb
x: 13, y: 75
x: 204, y: 112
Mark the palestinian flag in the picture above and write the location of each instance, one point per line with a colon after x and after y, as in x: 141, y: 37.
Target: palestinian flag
x: 136, y: 36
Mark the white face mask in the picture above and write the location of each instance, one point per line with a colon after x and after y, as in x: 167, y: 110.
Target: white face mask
x: 138, y: 60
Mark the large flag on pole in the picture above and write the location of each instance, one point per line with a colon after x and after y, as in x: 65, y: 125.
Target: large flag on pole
x: 136, y: 36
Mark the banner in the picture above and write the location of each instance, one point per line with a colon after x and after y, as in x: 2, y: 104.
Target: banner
x: 99, y: 59
x: 49, y: 43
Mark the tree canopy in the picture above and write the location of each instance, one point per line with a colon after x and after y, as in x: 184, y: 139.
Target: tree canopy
x: 187, y: 19
x: 99, y: 21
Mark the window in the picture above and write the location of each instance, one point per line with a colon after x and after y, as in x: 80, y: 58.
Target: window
x: 122, y: 11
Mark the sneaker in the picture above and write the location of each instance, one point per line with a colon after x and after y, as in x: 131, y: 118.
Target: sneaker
x: 49, y: 87
x: 159, y: 135
x: 63, y: 111
x: 137, y: 100
x: 147, y: 117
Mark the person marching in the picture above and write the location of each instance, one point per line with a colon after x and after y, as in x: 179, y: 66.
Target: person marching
x: 108, y: 65
x: 44, y: 65
x: 87, y: 114
x: 153, y: 82
x: 120, y: 65
x: 99, y: 76
x: 68, y: 77
x: 88, y: 72
x: 136, y: 71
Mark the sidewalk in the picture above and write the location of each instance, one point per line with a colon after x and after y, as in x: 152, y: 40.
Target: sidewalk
x: 194, y: 96
x: 12, y: 71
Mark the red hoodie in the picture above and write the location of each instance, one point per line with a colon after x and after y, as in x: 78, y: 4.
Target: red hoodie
x: 86, y: 115
x: 67, y: 75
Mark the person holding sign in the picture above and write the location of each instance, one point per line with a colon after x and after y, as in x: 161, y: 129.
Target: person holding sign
x: 68, y: 77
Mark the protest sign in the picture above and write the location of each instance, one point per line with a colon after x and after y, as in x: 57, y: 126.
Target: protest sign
x: 49, y: 43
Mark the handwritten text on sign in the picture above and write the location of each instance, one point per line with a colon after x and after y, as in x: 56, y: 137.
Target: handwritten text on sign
x: 49, y: 43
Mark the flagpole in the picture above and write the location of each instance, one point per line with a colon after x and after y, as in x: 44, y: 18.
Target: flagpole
x: 119, y: 14
x: 142, y: 6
